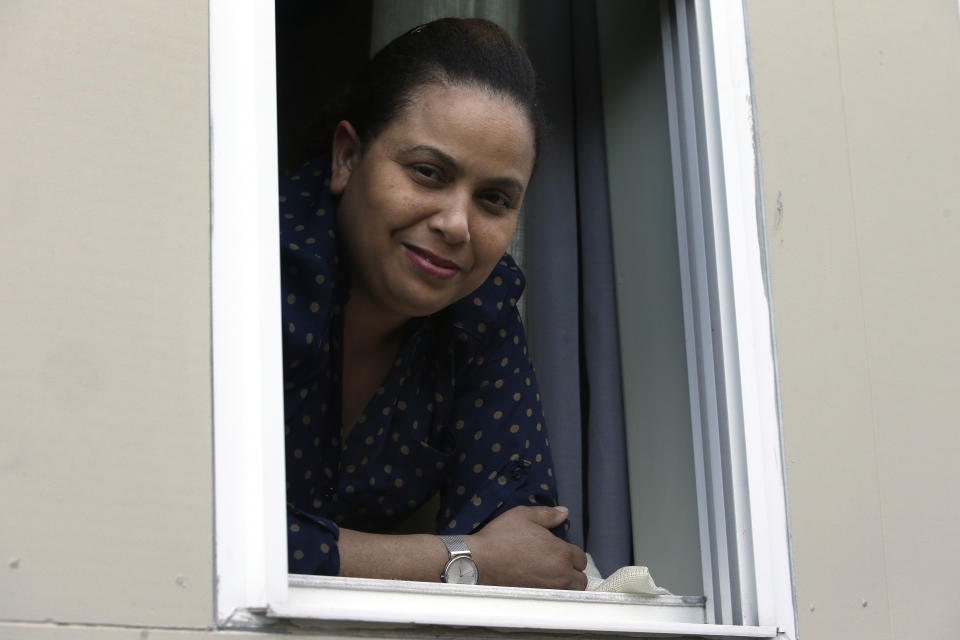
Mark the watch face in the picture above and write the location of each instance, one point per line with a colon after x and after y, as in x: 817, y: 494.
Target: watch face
x: 461, y: 570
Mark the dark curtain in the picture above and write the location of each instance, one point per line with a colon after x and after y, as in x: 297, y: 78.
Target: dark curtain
x: 571, y: 299
x: 320, y: 48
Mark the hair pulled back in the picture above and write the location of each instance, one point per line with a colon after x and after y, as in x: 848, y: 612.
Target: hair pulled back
x: 449, y: 51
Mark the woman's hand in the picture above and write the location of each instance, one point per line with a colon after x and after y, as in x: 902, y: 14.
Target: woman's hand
x: 517, y: 549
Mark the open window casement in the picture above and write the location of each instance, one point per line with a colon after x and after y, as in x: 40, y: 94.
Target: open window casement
x: 747, y: 586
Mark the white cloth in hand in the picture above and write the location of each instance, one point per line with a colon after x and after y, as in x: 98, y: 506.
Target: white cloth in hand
x: 636, y: 580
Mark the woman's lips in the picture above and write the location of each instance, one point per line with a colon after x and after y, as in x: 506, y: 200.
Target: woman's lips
x: 430, y: 263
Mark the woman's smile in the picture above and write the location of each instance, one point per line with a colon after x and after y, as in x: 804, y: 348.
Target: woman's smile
x: 430, y: 263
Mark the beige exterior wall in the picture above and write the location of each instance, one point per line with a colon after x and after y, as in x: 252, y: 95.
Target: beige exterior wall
x: 105, y: 413
x: 859, y: 139
x: 105, y: 430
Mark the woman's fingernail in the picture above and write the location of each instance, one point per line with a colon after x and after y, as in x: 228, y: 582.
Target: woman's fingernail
x: 561, y: 509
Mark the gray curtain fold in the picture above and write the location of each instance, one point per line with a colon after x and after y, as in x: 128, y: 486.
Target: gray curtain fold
x: 571, y: 308
x: 607, y: 486
x: 552, y: 261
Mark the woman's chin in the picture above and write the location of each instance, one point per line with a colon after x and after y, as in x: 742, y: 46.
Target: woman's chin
x: 428, y: 308
x: 419, y: 304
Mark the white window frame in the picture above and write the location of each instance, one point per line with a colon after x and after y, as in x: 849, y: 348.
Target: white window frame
x: 741, y: 490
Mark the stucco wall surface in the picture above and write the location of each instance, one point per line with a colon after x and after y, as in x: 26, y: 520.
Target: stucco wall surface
x: 860, y: 148
x: 105, y: 429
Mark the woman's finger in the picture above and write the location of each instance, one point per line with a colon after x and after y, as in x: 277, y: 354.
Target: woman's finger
x: 547, y: 517
x: 579, y: 581
x: 579, y: 559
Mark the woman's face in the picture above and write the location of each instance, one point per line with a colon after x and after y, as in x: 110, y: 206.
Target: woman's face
x: 430, y: 206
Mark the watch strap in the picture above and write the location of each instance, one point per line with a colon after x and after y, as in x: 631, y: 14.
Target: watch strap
x: 455, y: 546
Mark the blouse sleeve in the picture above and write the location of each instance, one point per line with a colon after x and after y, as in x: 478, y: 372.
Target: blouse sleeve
x: 308, y: 253
x: 503, y: 452
x: 311, y: 544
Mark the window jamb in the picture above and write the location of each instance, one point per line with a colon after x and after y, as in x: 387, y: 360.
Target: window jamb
x: 728, y: 316
x: 763, y: 473
x: 250, y: 542
x: 692, y: 250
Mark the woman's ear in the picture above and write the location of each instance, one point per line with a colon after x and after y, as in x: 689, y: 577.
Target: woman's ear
x: 346, y: 153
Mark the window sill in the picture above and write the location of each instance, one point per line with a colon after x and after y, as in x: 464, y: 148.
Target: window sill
x: 316, y: 600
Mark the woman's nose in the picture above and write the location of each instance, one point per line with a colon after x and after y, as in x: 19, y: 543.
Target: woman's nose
x: 452, y: 221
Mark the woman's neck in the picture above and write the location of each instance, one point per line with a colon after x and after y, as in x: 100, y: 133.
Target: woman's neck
x: 367, y: 328
x: 371, y: 340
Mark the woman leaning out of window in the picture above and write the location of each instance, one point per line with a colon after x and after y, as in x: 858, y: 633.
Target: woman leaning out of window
x: 406, y: 368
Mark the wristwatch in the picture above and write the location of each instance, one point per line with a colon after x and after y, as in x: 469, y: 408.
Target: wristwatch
x: 460, y: 568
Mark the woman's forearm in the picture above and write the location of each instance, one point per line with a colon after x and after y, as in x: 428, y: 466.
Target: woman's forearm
x: 419, y: 557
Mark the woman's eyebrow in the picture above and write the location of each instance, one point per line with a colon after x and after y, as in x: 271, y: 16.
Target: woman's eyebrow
x: 510, y: 184
x: 445, y: 158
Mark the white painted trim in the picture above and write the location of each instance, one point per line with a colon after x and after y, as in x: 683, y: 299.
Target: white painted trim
x: 755, y: 349
x: 400, y: 602
x: 725, y: 306
x: 700, y: 221
x: 727, y: 317
x: 245, y: 272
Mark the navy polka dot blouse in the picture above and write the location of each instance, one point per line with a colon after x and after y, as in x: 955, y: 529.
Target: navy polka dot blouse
x: 458, y: 414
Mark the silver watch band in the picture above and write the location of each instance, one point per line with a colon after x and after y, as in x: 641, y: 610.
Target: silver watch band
x: 455, y: 546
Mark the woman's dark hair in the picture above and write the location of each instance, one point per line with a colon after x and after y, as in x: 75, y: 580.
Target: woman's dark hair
x: 450, y: 51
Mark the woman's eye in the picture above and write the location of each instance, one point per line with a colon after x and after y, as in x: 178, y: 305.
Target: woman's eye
x: 498, y: 200
x: 427, y: 172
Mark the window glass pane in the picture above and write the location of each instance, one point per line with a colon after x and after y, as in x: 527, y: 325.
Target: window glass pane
x: 656, y: 396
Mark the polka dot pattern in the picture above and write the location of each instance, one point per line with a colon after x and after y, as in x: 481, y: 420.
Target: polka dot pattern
x: 458, y: 413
